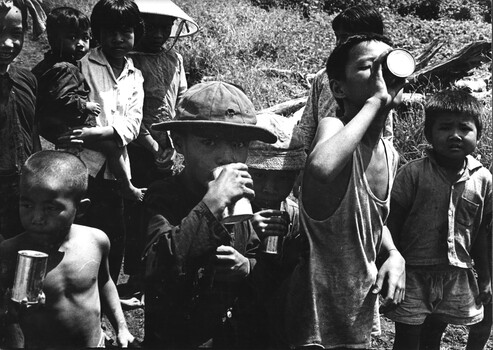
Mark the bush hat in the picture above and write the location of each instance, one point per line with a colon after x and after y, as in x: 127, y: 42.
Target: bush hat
x: 220, y: 107
x: 286, y: 154
x: 185, y: 26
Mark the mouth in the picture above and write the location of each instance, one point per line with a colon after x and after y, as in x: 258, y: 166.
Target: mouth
x: 6, y: 55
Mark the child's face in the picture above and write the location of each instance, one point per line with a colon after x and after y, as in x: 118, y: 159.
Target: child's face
x: 46, y: 206
x: 454, y: 136
x: 158, y: 29
x: 74, y: 43
x: 116, y: 43
x: 357, y: 85
x: 11, y: 36
x: 206, y: 152
x: 272, y: 186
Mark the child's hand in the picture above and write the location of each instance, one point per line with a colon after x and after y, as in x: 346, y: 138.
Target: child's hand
x: 124, y: 338
x: 394, y: 270
x: 75, y: 137
x: 230, y: 265
x: 388, y: 92
x: 270, y: 222
x: 93, y: 108
x: 233, y: 183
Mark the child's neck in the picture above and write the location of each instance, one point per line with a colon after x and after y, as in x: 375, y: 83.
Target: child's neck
x: 117, y: 65
x: 453, y: 168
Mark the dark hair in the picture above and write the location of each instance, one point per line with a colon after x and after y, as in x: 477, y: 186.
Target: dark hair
x: 59, y: 165
x: 115, y: 14
x: 336, y: 63
x: 359, y: 19
x: 65, y: 19
x: 452, y: 101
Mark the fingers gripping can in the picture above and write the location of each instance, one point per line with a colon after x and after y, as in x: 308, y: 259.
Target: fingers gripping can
x: 29, y: 276
x: 273, y: 244
x: 399, y: 63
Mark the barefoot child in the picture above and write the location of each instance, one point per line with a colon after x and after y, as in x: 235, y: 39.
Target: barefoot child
x: 77, y: 283
x: 117, y: 86
x: 440, y: 219
x: 345, y: 197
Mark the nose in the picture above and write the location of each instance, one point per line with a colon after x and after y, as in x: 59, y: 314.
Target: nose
x: 118, y: 37
x: 38, y: 216
x: 227, y: 154
x: 455, y: 135
x: 80, y: 42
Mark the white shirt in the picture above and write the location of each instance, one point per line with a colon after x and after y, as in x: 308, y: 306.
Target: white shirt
x: 121, y: 101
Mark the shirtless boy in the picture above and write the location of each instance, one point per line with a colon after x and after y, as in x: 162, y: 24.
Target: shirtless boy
x: 77, y: 283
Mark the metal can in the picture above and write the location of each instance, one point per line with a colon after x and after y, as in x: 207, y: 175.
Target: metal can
x: 29, y: 276
x: 399, y: 63
x: 273, y: 244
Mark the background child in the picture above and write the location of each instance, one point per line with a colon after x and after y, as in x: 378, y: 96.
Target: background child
x: 440, y: 219
x: 63, y: 98
x: 117, y: 86
x: 152, y: 154
x: 345, y: 199
x: 77, y: 282
x: 274, y: 169
x: 18, y: 134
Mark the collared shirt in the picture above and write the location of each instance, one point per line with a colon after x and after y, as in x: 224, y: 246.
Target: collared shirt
x: 17, y: 120
x: 121, y: 101
x: 62, y: 96
x: 444, y: 219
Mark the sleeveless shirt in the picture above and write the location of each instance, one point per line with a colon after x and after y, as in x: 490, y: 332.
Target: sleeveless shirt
x: 329, y: 300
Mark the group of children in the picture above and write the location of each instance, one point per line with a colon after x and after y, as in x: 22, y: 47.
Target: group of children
x: 281, y: 278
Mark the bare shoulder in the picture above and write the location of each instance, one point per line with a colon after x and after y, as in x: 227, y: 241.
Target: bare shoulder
x: 89, y: 235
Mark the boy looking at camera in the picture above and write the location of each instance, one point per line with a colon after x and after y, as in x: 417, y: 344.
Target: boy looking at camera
x: 345, y: 197
x: 77, y: 283
x: 440, y: 219
x: 198, y: 268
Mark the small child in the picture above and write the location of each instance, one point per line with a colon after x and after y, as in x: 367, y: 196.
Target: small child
x: 440, y: 218
x: 117, y: 86
x: 274, y: 169
x: 18, y: 134
x: 63, y: 93
x: 77, y: 283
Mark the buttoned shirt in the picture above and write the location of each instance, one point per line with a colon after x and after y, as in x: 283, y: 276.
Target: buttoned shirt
x: 121, y: 99
x: 444, y: 219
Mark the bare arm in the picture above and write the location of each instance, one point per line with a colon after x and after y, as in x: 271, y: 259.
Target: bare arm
x: 110, y: 300
x: 481, y: 253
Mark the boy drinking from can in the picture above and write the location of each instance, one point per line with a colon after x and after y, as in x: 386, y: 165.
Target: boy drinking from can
x: 78, y: 283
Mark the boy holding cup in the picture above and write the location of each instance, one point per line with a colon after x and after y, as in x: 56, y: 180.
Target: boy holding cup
x: 196, y: 266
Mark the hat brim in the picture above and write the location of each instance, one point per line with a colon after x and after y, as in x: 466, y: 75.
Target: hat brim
x: 241, y: 131
x: 168, y: 8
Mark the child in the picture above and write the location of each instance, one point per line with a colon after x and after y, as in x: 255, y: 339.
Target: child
x: 440, y: 215
x: 63, y: 93
x: 274, y: 169
x: 52, y: 188
x: 344, y: 203
x: 197, y: 268
x: 321, y: 103
x: 18, y: 134
x: 117, y: 86
x: 152, y: 154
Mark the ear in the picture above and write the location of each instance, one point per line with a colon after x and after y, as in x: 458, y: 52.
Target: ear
x: 82, y: 207
x: 337, y: 88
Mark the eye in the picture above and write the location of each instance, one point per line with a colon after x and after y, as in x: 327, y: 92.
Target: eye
x: 208, y: 142
x: 240, y: 144
x: 25, y: 205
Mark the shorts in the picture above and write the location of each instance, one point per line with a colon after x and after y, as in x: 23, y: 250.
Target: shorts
x: 447, y: 292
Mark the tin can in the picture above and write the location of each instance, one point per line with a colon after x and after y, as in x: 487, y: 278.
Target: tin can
x: 273, y: 244
x: 29, y: 276
x: 399, y: 63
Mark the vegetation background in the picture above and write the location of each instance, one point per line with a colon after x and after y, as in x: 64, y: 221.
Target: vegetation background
x: 270, y: 47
